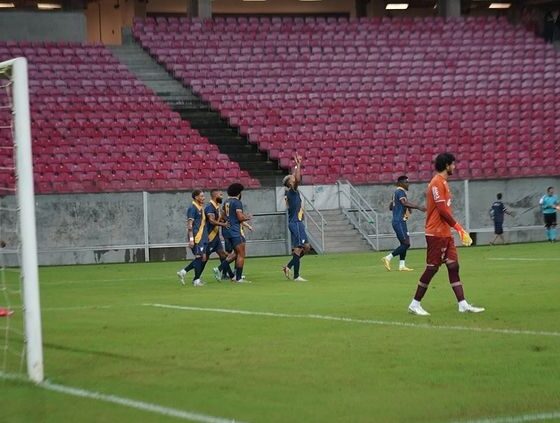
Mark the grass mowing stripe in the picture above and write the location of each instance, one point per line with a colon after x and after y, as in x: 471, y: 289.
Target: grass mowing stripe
x: 523, y: 259
x: 517, y: 419
x: 361, y: 321
x: 86, y: 281
x: 127, y: 402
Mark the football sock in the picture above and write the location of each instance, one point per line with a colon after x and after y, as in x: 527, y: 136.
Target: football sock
x: 553, y: 234
x: 190, y: 266
x: 238, y: 273
x: 198, y: 265
x: 391, y: 255
x: 402, y: 264
x: 225, y: 269
x: 425, y: 280
x: 296, y: 260
x: 455, y: 280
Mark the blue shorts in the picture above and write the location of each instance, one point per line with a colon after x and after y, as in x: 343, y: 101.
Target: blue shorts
x: 232, y: 242
x: 298, y: 234
x: 214, y: 246
x: 199, y: 249
x: 402, y: 232
x: 498, y: 228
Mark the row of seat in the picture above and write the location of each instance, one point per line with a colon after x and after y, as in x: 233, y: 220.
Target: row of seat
x: 276, y: 67
x: 96, y: 127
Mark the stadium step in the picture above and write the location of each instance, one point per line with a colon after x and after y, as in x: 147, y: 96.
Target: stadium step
x: 340, y: 235
x: 147, y: 70
x: 201, y: 117
x: 229, y: 141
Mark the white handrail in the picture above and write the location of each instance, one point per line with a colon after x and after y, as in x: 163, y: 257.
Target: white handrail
x: 360, y: 204
x: 308, y: 217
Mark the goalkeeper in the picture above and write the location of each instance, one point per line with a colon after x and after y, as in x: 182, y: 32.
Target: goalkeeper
x: 440, y: 244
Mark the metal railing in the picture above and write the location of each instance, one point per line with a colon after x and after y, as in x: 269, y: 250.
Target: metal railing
x: 317, y: 222
x: 360, y: 213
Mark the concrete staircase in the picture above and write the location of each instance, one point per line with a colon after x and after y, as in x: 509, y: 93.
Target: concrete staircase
x: 147, y: 70
x: 340, y: 234
x: 199, y: 114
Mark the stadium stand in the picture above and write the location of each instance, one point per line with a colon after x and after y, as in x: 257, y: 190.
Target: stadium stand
x: 97, y: 128
x: 367, y: 99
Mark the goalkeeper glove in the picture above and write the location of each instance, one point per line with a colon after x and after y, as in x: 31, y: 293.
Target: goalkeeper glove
x: 464, y: 235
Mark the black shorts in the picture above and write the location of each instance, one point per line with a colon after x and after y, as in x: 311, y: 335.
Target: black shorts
x: 549, y: 220
x: 498, y: 228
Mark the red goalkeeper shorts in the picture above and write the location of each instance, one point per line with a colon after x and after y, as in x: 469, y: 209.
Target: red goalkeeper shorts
x: 440, y: 250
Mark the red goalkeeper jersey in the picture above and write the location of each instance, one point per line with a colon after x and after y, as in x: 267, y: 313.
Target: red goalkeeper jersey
x: 439, y: 218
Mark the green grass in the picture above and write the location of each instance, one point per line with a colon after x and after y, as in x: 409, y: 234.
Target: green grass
x: 99, y: 336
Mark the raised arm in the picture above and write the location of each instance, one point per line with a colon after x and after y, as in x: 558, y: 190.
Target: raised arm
x: 297, y: 170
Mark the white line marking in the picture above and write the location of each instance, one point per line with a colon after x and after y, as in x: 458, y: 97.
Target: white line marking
x: 127, y: 402
x: 516, y: 419
x: 523, y: 259
x: 362, y: 321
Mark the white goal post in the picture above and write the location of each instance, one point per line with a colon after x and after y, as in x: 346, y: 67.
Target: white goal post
x: 16, y: 70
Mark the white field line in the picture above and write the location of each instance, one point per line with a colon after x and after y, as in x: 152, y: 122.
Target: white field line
x: 126, y: 402
x: 523, y: 259
x: 516, y: 419
x: 360, y: 321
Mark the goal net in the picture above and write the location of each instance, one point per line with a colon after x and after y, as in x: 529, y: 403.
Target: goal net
x: 20, y: 319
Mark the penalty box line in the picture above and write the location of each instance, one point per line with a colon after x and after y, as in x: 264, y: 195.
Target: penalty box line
x: 359, y: 321
x: 126, y: 402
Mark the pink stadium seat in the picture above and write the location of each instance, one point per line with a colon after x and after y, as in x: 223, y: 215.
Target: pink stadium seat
x: 83, y: 145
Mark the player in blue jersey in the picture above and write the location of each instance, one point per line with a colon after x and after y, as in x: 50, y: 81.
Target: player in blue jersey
x: 400, y: 206
x: 215, y: 220
x: 497, y: 212
x: 233, y: 231
x: 300, y: 242
x: 197, y: 238
x: 549, y: 206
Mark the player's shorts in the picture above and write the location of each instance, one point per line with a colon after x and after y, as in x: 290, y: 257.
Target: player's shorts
x: 214, y: 246
x: 232, y: 242
x: 227, y: 245
x: 402, y: 232
x: 498, y: 228
x: 298, y: 234
x: 549, y: 220
x: 199, y: 249
x: 440, y: 250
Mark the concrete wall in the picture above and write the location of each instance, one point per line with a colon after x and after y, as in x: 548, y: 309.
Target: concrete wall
x: 42, y: 26
x: 284, y: 7
x: 105, y: 228
x: 521, y: 196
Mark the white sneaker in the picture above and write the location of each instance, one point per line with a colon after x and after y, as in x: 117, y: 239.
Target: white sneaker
x: 467, y: 308
x: 198, y: 282
x: 417, y: 310
x: 217, y: 274
x: 300, y: 279
x: 181, y: 275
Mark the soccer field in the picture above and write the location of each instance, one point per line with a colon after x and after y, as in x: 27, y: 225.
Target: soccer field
x: 137, y: 346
